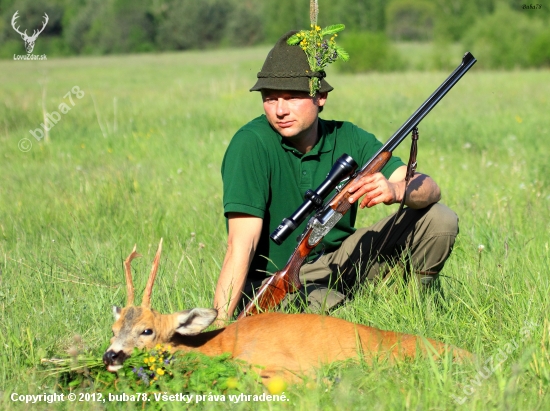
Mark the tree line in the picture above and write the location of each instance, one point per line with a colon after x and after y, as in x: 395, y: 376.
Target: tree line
x: 132, y: 26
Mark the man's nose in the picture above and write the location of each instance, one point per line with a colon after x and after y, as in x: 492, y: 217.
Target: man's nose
x: 282, y: 107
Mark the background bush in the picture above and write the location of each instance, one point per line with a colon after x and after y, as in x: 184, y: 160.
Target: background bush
x: 500, y: 40
x: 410, y: 19
x: 501, y: 32
x: 370, y: 52
x: 539, y: 51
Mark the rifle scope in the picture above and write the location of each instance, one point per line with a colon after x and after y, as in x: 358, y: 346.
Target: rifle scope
x: 343, y: 168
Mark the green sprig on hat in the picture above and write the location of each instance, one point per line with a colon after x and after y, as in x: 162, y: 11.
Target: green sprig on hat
x: 319, y: 51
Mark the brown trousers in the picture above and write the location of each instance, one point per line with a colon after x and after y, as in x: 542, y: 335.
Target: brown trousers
x: 419, y: 244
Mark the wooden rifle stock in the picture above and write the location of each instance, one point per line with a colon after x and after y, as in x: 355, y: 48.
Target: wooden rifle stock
x: 274, y: 290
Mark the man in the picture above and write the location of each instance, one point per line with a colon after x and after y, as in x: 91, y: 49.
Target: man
x: 275, y: 158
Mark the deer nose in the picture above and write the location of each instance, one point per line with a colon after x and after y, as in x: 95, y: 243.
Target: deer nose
x: 110, y: 357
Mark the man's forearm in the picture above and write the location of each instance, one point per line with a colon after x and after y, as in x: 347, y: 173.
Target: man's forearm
x: 422, y: 191
x: 243, y: 236
x: 228, y: 290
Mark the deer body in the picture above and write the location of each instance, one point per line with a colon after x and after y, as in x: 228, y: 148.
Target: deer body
x: 299, y: 343
x: 287, y: 344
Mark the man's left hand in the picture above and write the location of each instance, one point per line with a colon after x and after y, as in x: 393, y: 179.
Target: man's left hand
x: 421, y: 192
x: 377, y: 189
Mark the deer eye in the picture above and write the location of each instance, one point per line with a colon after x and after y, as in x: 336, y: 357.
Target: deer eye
x: 148, y: 331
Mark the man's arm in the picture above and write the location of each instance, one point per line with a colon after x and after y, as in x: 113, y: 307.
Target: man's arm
x: 421, y: 192
x: 243, y: 236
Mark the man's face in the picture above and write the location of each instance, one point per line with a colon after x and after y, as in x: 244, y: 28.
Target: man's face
x: 292, y: 113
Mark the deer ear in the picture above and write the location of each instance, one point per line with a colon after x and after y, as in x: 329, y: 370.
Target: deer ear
x: 192, y: 322
x: 116, y: 312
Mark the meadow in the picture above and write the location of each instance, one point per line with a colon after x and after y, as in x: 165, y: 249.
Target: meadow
x: 137, y: 157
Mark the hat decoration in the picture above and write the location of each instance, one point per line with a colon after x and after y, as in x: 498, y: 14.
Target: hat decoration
x: 319, y: 51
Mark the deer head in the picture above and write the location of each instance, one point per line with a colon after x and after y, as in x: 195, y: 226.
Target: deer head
x: 143, y: 327
x: 29, y: 40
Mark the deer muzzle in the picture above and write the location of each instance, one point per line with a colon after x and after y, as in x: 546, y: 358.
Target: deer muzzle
x: 114, y: 360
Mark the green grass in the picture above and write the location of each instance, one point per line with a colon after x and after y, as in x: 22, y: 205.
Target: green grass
x: 138, y: 158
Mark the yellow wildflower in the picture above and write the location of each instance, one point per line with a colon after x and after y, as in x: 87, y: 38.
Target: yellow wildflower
x: 158, y: 347
x: 146, y: 361
x: 276, y: 386
x: 152, y: 359
x: 160, y: 371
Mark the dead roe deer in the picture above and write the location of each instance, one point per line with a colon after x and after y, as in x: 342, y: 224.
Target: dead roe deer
x: 287, y: 344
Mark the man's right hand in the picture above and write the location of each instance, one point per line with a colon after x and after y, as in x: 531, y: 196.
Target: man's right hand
x: 242, y: 240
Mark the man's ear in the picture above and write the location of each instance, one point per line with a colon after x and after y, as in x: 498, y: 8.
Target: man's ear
x: 192, y: 322
x: 322, y: 99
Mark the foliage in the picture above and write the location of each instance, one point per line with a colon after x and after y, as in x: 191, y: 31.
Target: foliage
x: 125, y: 26
x: 410, y: 19
x: 539, y: 49
x: 455, y: 18
x: 319, y: 52
x: 191, y: 24
x: 148, y: 371
x: 370, y: 52
x: 496, y: 47
x: 244, y: 26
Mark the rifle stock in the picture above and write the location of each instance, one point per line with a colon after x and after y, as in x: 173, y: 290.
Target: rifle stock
x: 274, y: 290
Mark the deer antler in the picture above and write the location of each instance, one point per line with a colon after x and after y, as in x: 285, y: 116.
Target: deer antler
x: 37, y: 32
x: 128, y: 272
x: 15, y: 16
x: 146, y: 302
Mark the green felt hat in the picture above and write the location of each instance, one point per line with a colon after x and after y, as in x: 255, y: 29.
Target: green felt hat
x: 286, y: 68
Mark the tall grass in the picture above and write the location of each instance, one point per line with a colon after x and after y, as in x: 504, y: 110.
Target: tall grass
x: 138, y: 158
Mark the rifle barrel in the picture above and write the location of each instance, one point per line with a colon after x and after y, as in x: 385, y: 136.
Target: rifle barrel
x: 467, y: 62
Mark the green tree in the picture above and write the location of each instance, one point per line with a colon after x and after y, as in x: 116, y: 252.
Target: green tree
x: 191, y: 24
x: 500, y: 40
x: 410, y: 19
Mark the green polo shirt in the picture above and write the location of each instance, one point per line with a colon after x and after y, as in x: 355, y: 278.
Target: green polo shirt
x: 267, y: 178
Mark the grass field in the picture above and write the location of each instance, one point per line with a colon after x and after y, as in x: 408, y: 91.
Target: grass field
x: 137, y: 158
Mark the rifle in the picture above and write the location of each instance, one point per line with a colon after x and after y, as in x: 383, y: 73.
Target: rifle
x: 272, y: 292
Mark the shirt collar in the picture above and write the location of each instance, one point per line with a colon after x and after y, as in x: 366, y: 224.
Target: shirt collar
x: 323, y: 145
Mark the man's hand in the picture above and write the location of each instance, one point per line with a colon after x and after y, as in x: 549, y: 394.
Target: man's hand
x: 421, y: 192
x: 376, y: 189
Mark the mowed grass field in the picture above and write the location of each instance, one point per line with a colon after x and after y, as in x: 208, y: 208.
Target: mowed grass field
x: 138, y: 157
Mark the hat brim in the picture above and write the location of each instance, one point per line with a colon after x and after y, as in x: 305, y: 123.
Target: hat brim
x: 288, y: 83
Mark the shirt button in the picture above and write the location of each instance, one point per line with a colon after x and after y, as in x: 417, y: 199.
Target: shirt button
x: 304, y: 172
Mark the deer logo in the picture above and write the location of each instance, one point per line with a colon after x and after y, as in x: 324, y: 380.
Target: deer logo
x: 276, y: 343
x: 29, y: 40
